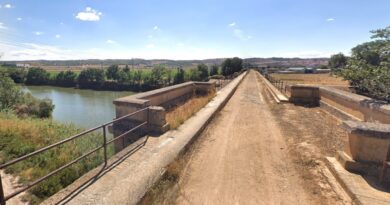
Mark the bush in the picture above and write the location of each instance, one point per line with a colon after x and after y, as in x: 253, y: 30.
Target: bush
x: 34, y: 107
x: 10, y: 94
x: 12, y: 98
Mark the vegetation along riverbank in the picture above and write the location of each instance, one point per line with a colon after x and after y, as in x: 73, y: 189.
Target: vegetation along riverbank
x: 119, y: 79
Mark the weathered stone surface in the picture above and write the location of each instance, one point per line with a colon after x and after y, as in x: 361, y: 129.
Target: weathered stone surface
x: 372, y: 110
x: 368, y: 142
x: 356, y: 186
x: 157, y: 100
x: 304, y: 94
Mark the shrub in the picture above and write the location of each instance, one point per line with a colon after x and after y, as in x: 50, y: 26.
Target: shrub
x: 10, y: 94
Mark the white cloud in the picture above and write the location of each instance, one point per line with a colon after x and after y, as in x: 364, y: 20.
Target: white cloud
x: 238, y: 33
x: 232, y: 24
x: 150, y: 36
x: 89, y: 15
x: 180, y: 44
x: 8, y: 6
x: 2, y: 26
x: 38, y: 33
x: 31, y: 51
x: 109, y: 41
x: 19, y: 19
x: 155, y: 28
x: 58, y: 36
x: 151, y: 45
x: 330, y: 19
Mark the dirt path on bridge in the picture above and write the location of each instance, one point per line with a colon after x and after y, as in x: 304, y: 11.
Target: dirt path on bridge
x: 257, y: 152
x: 242, y: 157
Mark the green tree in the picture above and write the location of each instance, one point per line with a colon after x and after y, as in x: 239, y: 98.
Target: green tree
x: 231, y: 65
x: 227, y: 67
x: 214, y: 70
x: 138, y: 77
x: 66, y: 78
x: 157, y: 76
x: 126, y: 69
x: 179, y: 76
x: 91, y: 78
x: 37, y: 76
x: 17, y: 74
x: 203, y: 71
x: 337, y: 62
x: 368, y: 68
x: 193, y: 74
x: 112, y: 72
x: 236, y: 64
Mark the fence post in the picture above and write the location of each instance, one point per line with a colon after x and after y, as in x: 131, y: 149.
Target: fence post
x: 105, y: 144
x: 2, y: 199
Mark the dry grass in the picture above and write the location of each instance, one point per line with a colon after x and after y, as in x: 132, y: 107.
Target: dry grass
x: 181, y: 113
x: 317, y: 79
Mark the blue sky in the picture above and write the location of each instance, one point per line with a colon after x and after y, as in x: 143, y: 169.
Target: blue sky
x: 183, y: 29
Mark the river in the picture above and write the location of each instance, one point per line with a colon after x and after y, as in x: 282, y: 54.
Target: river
x: 84, y: 108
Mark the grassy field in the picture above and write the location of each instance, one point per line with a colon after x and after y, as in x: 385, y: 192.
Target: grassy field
x: 315, y: 79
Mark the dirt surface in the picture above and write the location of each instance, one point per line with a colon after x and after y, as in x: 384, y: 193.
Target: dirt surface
x: 243, y: 157
x: 10, y: 184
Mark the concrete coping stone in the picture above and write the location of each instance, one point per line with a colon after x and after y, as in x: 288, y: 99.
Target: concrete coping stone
x: 368, y: 129
x: 364, y: 101
x: 143, y: 97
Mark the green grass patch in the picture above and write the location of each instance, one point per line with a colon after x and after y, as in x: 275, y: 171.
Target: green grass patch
x: 22, y: 136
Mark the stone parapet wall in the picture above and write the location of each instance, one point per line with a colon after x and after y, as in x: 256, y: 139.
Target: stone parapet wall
x: 364, y: 108
x: 157, y: 101
x: 361, y: 107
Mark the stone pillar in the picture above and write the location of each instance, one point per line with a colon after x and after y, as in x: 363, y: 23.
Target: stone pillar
x: 157, y: 123
x: 305, y: 95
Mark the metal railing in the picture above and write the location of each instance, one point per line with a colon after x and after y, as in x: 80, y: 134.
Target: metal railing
x: 279, y: 84
x: 4, y: 198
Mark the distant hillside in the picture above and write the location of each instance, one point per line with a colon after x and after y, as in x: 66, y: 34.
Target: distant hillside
x: 271, y: 62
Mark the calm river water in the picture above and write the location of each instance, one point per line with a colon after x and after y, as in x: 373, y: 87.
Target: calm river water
x: 84, y: 108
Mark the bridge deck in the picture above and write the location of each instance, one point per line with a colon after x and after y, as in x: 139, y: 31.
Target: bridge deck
x: 242, y: 156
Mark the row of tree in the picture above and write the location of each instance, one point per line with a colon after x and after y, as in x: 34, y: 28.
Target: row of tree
x: 116, y: 78
x: 368, y: 68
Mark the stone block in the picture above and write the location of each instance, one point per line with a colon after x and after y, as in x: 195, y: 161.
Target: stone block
x: 368, y: 142
x: 304, y: 95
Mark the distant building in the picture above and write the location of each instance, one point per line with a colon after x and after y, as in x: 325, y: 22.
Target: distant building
x: 22, y: 65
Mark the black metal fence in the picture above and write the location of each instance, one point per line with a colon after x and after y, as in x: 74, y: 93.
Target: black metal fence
x: 279, y: 84
x: 4, y: 198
